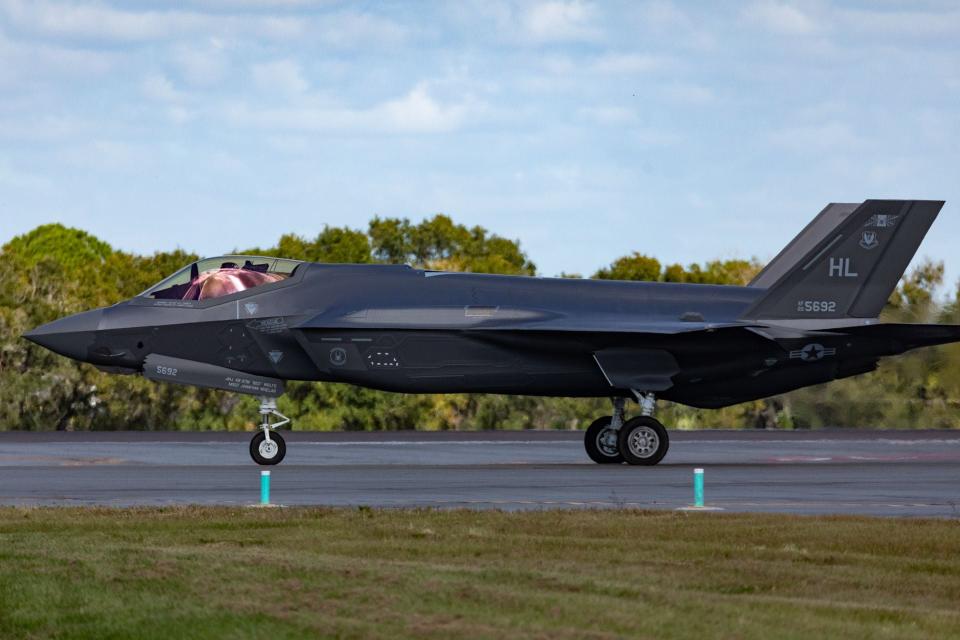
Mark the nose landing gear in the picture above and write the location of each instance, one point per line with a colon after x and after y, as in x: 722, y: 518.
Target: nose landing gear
x: 267, y: 446
x: 639, y: 441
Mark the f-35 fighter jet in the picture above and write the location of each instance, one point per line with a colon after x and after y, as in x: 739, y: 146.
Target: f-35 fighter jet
x: 247, y: 324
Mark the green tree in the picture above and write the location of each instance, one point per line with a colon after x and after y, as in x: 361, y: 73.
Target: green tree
x: 636, y: 266
x: 438, y: 243
x: 735, y: 272
x: 913, y: 299
x: 70, y: 248
x: 332, y: 245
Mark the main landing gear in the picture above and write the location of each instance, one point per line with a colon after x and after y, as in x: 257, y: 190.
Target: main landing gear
x: 640, y: 440
x: 267, y: 447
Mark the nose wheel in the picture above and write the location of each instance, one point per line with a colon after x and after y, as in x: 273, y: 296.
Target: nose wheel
x: 267, y: 446
x: 267, y: 452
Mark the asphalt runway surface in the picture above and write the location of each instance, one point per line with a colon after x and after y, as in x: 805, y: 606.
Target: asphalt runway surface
x: 888, y: 473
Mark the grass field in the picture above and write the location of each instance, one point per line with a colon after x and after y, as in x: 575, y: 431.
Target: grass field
x: 306, y: 573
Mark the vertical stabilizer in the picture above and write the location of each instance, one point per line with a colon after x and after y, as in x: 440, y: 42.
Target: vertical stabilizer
x: 826, y: 221
x: 850, y: 270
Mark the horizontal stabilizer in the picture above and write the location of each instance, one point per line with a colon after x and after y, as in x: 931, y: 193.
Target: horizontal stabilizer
x: 903, y: 337
x: 850, y: 271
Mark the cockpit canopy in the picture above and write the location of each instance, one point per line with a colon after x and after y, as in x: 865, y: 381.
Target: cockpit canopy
x: 216, y: 277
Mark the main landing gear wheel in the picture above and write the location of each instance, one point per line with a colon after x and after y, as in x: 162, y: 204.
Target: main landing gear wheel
x: 600, y: 442
x: 267, y: 452
x: 643, y: 440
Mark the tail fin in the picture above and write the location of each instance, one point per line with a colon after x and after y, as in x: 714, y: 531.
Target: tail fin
x: 825, y: 222
x: 845, y: 263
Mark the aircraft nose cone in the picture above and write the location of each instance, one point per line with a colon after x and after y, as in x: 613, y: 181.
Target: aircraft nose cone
x: 71, y: 336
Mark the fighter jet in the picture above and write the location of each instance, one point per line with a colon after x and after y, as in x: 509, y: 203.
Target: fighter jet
x: 247, y: 324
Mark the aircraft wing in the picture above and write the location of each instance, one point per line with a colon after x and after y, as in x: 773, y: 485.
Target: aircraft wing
x: 504, y: 319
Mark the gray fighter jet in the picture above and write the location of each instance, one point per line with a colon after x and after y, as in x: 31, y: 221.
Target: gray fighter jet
x: 246, y: 324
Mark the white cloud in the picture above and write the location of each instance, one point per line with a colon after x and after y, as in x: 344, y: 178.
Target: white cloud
x: 902, y: 23
x: 179, y: 114
x: 359, y: 30
x: 653, y: 137
x: 202, y: 64
x: 158, y: 87
x: 661, y: 14
x: 102, y: 22
x: 689, y: 94
x: 99, y: 21
x: 816, y: 138
x: 779, y: 17
x: 288, y: 144
x: 664, y: 19
x: 276, y: 27
x: 43, y: 127
x: 875, y: 20
x: 697, y: 201
x: 107, y: 155
x: 833, y: 108
x: 887, y: 170
x: 564, y: 72
x: 608, y: 115
x: 265, y: 4
x: 31, y: 61
x: 560, y: 20
x: 416, y: 112
x: 13, y: 178
x: 281, y: 76
x: 626, y: 63
x: 559, y: 65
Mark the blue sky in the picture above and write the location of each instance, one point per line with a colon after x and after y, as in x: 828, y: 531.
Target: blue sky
x: 688, y: 131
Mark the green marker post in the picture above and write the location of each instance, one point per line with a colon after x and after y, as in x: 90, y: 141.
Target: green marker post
x: 264, y: 487
x: 697, y: 487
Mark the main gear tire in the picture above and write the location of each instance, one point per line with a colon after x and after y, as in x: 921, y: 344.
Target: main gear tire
x: 643, y: 441
x: 600, y: 441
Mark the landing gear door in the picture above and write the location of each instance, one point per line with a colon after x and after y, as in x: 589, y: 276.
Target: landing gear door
x: 643, y: 369
x: 200, y: 374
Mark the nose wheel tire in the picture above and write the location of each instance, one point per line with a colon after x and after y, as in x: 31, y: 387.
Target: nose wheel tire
x: 643, y: 440
x: 267, y: 452
x: 600, y: 441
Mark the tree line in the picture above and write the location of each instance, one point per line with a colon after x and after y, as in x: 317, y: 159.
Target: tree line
x: 53, y: 271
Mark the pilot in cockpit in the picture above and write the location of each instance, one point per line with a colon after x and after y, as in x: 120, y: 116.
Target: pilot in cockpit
x: 217, y: 277
x: 229, y: 278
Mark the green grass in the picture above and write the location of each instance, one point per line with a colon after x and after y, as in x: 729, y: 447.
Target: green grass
x: 306, y: 573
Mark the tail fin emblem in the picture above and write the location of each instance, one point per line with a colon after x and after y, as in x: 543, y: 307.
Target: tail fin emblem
x: 881, y: 220
x: 868, y: 240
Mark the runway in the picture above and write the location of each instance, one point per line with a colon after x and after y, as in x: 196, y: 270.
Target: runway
x: 888, y: 473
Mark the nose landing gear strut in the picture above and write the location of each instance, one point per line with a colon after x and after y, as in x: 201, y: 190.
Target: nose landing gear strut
x: 267, y: 447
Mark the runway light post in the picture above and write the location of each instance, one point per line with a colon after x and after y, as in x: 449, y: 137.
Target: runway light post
x: 265, y: 488
x: 698, y: 488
